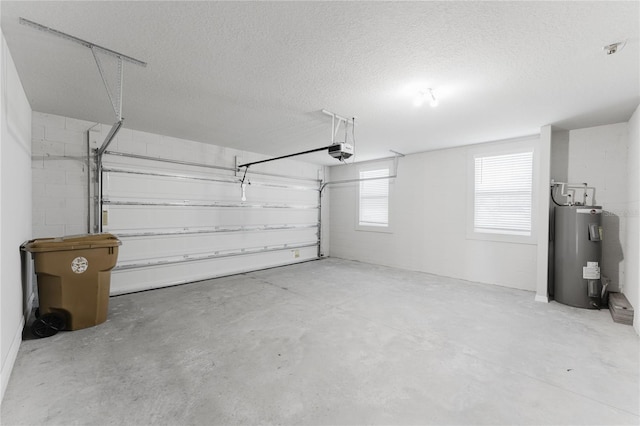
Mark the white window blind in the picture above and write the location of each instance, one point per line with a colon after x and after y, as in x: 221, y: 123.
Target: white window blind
x: 374, y: 198
x: 503, y: 193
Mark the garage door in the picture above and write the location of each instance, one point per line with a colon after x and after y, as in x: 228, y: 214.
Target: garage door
x: 181, y: 222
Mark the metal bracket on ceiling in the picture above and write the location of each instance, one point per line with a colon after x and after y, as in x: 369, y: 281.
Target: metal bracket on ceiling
x: 84, y: 43
x: 336, y: 120
x: 115, y: 96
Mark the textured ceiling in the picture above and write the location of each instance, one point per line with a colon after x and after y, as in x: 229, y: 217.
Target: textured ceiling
x: 255, y: 75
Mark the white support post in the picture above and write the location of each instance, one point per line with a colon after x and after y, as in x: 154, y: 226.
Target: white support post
x: 542, y: 215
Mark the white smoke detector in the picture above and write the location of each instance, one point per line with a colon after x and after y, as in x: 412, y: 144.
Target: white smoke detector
x: 612, y: 48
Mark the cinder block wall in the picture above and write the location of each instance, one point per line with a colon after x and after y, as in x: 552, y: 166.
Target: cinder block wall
x: 59, y: 172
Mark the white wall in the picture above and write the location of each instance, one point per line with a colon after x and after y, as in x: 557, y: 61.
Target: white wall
x: 598, y: 156
x: 632, y: 252
x: 15, y: 210
x: 428, y: 215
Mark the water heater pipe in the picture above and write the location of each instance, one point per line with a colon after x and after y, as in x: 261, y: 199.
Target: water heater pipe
x: 568, y: 190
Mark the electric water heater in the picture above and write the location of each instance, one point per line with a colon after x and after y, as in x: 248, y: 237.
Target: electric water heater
x: 577, y: 255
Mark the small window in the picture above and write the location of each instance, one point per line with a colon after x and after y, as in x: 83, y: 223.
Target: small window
x: 503, y: 194
x: 374, y: 199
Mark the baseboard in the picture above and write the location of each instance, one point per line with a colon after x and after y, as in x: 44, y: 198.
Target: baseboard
x: 7, y: 367
x: 541, y: 298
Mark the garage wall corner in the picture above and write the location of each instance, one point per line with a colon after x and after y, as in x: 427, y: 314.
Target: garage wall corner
x: 15, y: 211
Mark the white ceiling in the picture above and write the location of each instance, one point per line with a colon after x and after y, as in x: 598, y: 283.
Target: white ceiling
x: 256, y: 75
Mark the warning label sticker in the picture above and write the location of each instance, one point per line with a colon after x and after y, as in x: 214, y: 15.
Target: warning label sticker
x: 591, y: 271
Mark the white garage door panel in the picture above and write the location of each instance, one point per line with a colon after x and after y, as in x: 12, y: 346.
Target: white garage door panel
x: 122, y: 185
x: 282, y: 170
x: 128, y: 186
x: 127, y: 281
x: 136, y: 248
x: 180, y: 223
x: 128, y: 218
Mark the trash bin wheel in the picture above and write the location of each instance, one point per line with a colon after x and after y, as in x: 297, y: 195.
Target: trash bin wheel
x: 47, y: 325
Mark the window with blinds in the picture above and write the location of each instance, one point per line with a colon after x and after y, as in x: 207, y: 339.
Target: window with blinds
x: 503, y: 193
x: 374, y: 199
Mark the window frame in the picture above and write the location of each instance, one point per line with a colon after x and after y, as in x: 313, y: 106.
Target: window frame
x: 529, y: 144
x: 372, y: 228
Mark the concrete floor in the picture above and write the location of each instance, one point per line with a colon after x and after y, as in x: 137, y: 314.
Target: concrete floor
x: 331, y: 342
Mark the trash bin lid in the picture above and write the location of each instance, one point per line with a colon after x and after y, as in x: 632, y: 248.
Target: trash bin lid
x: 72, y: 242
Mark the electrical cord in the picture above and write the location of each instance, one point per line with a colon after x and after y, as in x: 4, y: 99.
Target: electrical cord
x: 553, y: 198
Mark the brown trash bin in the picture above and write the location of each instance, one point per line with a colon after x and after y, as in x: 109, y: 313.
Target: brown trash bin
x: 74, y: 276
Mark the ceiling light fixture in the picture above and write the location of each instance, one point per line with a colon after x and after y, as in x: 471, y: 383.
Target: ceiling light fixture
x: 433, y: 101
x: 423, y: 97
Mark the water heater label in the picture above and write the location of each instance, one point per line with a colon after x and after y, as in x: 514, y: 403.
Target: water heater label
x: 591, y: 271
